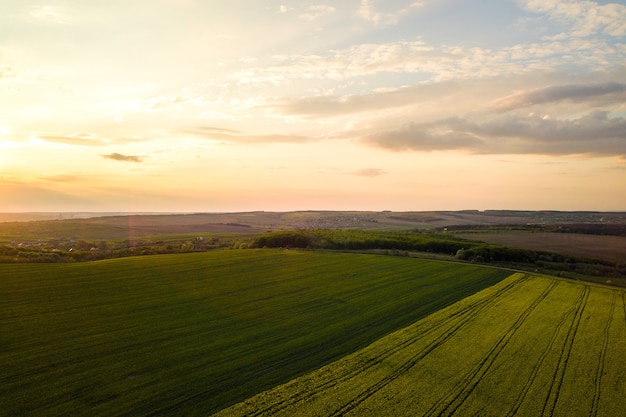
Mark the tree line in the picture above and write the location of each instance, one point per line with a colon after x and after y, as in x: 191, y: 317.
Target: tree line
x: 445, y: 244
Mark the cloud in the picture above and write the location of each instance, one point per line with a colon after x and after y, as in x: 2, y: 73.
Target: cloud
x: 211, y: 129
x: 441, y: 135
x: 594, y: 133
x: 359, y: 60
x: 433, y: 62
x: 61, y: 178
x: 369, y: 172
x: 369, y: 10
x: 585, y: 17
x: 8, y: 178
x: 75, y: 139
x: 234, y: 136
x: 591, y: 129
x: 125, y: 158
x: 316, y: 11
x: 48, y: 14
x: 613, y: 92
x: 334, y: 105
x: 7, y: 72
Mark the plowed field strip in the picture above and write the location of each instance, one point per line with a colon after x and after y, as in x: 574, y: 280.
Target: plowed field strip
x: 440, y: 340
x: 559, y: 372
x: 535, y: 371
x: 449, y: 403
x: 600, y: 369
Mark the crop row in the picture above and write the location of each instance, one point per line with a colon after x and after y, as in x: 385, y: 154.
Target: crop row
x: 529, y: 346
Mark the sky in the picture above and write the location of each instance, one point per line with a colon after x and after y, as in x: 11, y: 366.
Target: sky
x: 242, y: 105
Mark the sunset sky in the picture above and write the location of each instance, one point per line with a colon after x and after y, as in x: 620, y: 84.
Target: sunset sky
x: 239, y: 105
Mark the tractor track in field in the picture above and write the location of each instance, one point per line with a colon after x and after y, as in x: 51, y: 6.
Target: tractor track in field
x: 624, y: 305
x: 559, y: 372
x: 450, y: 403
x: 440, y: 340
x: 601, y: 361
x: 465, y: 314
x: 535, y: 371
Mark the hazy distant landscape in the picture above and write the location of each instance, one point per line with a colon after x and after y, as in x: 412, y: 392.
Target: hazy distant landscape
x: 337, y: 219
x: 581, y: 245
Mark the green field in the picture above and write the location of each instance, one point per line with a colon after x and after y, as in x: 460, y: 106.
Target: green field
x: 190, y: 334
x: 528, y: 346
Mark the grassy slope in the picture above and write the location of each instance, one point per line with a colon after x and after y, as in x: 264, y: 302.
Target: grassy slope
x: 190, y: 334
x: 527, y: 346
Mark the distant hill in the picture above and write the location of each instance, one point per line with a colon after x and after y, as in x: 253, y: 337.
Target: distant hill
x: 34, y: 216
x: 118, y: 225
x: 341, y: 218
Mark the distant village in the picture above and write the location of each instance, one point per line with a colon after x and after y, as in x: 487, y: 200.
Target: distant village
x: 76, y: 250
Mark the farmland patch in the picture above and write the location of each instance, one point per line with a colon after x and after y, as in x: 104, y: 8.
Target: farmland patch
x: 190, y: 334
x: 527, y: 346
x: 609, y: 248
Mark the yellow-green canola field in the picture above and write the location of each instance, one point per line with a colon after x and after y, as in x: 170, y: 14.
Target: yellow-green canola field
x: 528, y: 346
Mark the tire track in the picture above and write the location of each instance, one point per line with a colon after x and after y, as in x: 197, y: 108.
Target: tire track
x: 468, y: 316
x: 559, y: 372
x: 624, y: 305
x: 600, y: 368
x: 531, y: 379
x: 450, y: 403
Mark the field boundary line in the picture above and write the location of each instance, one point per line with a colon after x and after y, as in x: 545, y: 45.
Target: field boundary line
x: 601, y: 360
x: 373, y: 361
x: 559, y: 371
x: 466, y: 385
x: 440, y: 340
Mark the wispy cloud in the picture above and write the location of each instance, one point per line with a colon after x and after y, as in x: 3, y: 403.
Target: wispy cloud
x: 124, y: 158
x: 611, y: 92
x: 594, y: 133
x: 77, y: 140
x: 368, y: 12
x: 441, y: 135
x: 48, y: 14
x: 234, y: 136
x: 212, y: 129
x: 316, y: 11
x: 585, y: 17
x: 7, y: 72
x: 433, y: 62
x: 586, y: 94
x: 371, y: 11
x: 8, y: 178
x: 61, y: 178
x: 335, y: 105
x: 369, y: 172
